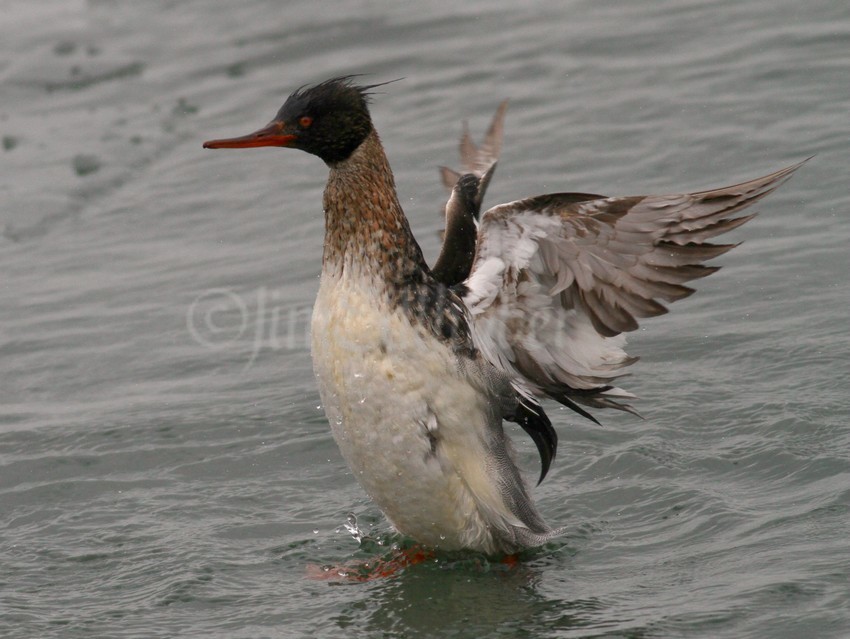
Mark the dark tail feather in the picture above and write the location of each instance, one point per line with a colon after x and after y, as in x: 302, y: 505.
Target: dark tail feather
x: 535, y: 422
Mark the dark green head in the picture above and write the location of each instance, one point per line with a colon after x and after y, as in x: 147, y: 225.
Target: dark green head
x: 329, y: 120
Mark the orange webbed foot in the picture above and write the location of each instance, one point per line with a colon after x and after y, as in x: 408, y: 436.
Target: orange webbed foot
x: 379, y: 568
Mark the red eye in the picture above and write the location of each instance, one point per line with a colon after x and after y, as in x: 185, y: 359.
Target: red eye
x: 305, y: 121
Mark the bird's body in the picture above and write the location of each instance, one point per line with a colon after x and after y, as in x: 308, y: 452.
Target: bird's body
x: 410, y: 407
x: 403, y: 414
x: 417, y: 369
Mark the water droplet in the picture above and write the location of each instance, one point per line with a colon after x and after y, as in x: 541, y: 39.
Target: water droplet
x: 64, y: 48
x: 85, y: 164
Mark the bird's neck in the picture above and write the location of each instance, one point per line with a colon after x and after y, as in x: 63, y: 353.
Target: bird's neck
x: 365, y: 228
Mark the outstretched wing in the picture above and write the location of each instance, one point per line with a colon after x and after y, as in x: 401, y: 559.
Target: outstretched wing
x: 557, y: 279
x: 464, y: 206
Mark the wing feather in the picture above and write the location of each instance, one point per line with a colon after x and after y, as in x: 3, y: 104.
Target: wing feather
x: 558, y: 278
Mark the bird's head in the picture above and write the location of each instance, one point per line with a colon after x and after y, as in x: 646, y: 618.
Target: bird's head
x: 329, y: 120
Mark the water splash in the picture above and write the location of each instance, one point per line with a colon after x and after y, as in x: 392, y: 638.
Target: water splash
x: 353, y: 529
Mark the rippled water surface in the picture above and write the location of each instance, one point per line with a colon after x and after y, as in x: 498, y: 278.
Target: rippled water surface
x: 165, y: 467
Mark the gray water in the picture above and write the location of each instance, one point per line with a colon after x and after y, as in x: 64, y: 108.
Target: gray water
x: 166, y: 469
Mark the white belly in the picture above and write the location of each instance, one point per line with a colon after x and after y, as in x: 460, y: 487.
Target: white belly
x: 385, y: 384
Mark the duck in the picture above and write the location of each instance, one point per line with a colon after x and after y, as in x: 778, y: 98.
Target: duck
x: 419, y: 367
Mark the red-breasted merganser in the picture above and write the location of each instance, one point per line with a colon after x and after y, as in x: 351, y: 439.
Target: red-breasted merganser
x: 418, y: 368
